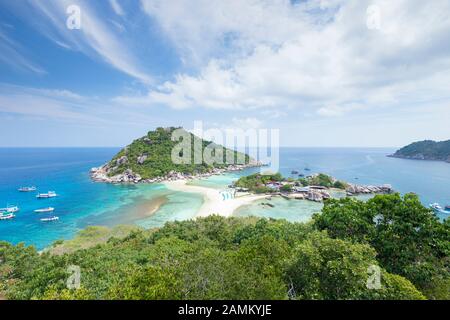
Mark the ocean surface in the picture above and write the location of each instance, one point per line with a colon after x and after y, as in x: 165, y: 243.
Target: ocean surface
x: 82, y: 202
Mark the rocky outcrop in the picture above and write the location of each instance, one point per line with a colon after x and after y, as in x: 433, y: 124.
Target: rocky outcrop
x: 101, y: 174
x: 148, y: 141
x: 141, y: 159
x: 106, y: 174
x: 122, y: 160
x: 353, y: 189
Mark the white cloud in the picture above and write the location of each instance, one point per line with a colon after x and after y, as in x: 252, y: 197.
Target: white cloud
x: 331, y: 111
x: 11, y: 53
x: 67, y: 107
x: 317, y: 54
x: 116, y: 7
x: 96, y: 38
x: 247, y: 123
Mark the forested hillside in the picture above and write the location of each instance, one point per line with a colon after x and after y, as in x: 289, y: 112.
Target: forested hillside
x: 251, y: 258
x: 151, y: 157
x: 425, y: 150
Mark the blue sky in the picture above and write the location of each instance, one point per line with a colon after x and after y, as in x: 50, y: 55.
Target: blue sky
x: 325, y: 73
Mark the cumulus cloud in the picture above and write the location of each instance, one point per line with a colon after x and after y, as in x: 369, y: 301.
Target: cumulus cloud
x: 313, y: 54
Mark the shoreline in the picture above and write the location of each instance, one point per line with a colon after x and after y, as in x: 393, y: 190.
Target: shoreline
x: 417, y: 158
x: 213, y: 200
x: 100, y: 174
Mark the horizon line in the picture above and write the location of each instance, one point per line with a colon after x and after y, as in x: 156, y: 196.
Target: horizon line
x: 105, y: 147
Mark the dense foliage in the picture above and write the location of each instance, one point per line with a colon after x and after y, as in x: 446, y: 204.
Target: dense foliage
x: 248, y: 258
x: 426, y: 150
x: 323, y: 180
x: 258, y: 182
x: 150, y: 156
x: 409, y: 239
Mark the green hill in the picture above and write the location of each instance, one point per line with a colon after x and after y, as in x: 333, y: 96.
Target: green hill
x: 425, y: 150
x: 149, y: 158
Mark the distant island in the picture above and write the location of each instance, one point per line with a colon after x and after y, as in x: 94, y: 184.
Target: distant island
x: 148, y: 159
x: 425, y: 150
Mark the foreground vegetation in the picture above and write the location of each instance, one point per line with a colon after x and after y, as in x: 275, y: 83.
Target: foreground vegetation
x: 249, y: 258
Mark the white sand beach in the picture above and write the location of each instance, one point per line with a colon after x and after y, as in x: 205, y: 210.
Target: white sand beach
x: 213, y: 200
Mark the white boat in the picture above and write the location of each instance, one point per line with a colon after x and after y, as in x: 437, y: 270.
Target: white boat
x: 49, y: 209
x: 436, y: 207
x: 49, y: 219
x: 9, y: 209
x: 27, y: 189
x: 6, y: 216
x: 50, y: 194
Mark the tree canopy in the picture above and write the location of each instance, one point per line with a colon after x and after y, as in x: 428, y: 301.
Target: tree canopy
x: 408, y: 238
x: 242, y: 258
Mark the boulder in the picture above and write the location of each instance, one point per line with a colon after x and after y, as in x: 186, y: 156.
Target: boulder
x: 141, y: 159
x: 122, y: 160
x: 148, y: 141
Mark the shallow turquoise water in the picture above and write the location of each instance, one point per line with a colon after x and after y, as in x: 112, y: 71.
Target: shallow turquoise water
x: 82, y: 202
x: 292, y: 210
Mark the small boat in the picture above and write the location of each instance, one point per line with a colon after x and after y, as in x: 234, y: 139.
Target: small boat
x: 9, y: 209
x: 27, y: 189
x: 49, y: 209
x: 301, y: 175
x: 6, y: 216
x: 294, y: 172
x: 307, y: 169
x: 436, y: 207
x: 49, y: 219
x: 50, y: 194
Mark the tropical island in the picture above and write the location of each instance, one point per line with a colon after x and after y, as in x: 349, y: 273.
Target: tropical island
x: 219, y: 256
x: 148, y: 159
x: 425, y: 150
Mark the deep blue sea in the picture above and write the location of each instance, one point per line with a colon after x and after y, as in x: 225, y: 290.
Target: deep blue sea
x: 82, y: 202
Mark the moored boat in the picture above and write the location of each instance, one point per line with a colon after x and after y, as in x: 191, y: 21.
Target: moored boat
x: 6, y: 216
x: 9, y: 209
x: 49, y: 219
x: 27, y: 189
x: 50, y: 194
x: 436, y: 207
x: 49, y: 209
